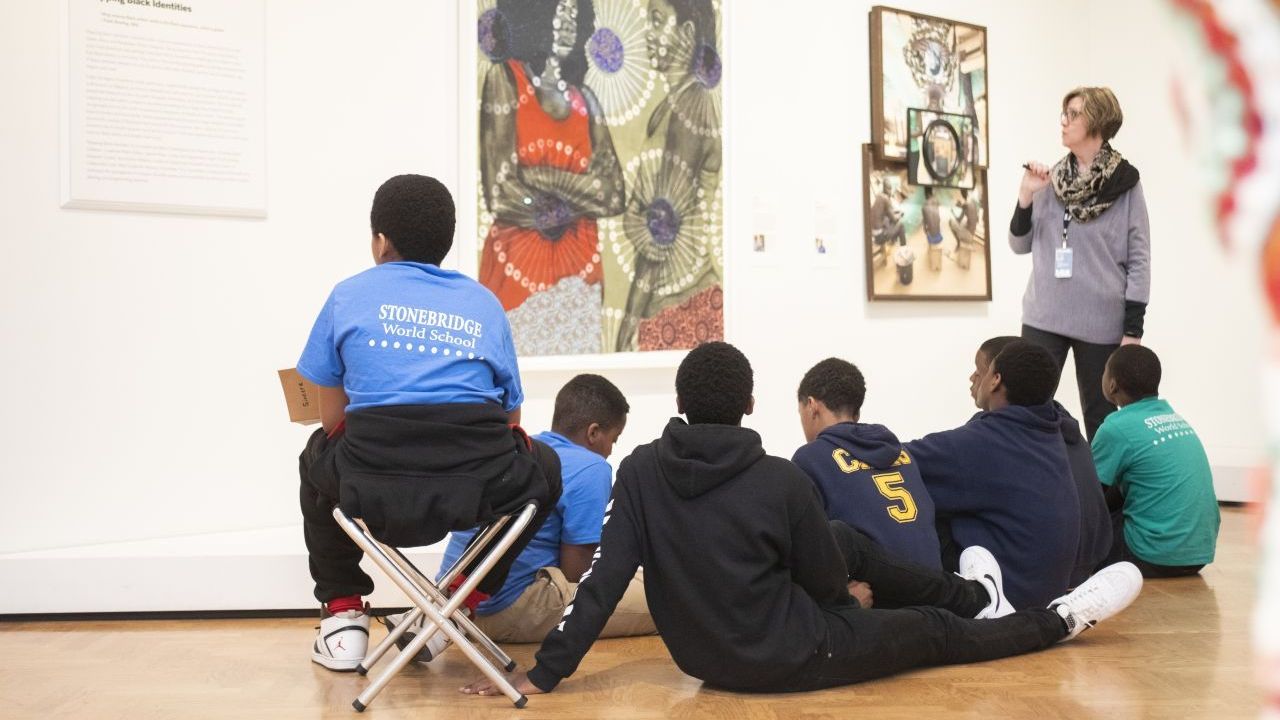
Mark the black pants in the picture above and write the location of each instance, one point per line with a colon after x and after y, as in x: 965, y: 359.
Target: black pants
x: 867, y: 644
x: 947, y: 544
x: 335, y: 558
x: 1120, y: 551
x: 1091, y: 360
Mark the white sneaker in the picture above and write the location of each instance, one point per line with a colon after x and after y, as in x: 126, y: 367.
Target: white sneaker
x: 977, y: 563
x: 342, y: 641
x: 1109, y: 591
x: 436, y: 645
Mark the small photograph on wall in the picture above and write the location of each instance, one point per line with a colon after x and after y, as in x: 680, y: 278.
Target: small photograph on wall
x: 921, y: 61
x: 599, y: 165
x: 923, y: 242
x: 939, y: 151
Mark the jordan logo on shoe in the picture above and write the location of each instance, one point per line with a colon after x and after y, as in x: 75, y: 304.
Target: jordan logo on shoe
x: 339, y: 645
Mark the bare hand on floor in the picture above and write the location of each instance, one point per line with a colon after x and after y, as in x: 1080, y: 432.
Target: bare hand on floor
x: 861, y: 592
x: 485, y: 686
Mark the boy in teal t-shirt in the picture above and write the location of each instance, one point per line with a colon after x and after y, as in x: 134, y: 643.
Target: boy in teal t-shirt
x: 1160, y: 487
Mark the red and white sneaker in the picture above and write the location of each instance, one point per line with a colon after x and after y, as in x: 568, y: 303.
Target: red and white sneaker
x: 342, y: 641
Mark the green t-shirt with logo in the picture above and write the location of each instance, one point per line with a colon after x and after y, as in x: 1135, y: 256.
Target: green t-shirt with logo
x: 1157, y: 461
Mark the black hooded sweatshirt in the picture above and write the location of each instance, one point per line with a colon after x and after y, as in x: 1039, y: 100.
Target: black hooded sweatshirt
x: 738, y: 558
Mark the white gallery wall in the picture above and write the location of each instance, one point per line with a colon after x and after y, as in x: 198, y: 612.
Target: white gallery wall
x: 145, y: 459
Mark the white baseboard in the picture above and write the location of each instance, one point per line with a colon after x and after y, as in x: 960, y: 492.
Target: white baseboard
x: 1233, y: 483
x: 251, y: 570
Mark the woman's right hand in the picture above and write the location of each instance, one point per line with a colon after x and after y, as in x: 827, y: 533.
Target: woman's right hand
x: 1033, y: 180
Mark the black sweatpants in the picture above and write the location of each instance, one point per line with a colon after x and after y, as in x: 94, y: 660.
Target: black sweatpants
x: 863, y: 644
x: 1091, y: 360
x: 335, y: 558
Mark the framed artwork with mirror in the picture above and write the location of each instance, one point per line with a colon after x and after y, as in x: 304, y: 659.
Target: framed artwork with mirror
x: 924, y: 195
x: 939, y: 149
x: 930, y: 63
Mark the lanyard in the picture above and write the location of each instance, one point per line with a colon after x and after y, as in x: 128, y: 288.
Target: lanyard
x: 1066, y: 222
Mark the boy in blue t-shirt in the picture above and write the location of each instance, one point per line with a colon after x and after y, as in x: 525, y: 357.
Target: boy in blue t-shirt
x: 418, y: 384
x: 1159, y: 484
x: 864, y: 477
x: 590, y: 414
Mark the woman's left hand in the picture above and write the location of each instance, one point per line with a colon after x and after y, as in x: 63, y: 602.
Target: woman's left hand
x: 1130, y: 340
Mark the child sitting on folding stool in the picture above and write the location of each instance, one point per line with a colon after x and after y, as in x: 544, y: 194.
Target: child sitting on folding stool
x: 418, y: 387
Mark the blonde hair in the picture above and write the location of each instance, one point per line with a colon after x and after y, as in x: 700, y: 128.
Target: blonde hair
x: 1102, y: 114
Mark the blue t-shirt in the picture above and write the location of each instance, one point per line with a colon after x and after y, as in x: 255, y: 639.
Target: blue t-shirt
x: 406, y: 333
x: 577, y: 520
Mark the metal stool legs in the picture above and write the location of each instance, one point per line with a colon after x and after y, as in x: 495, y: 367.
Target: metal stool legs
x: 440, y: 614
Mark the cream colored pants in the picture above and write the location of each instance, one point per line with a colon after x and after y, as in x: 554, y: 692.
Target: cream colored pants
x: 541, y: 606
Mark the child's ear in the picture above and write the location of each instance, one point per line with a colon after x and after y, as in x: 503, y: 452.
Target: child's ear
x: 594, y: 432
x: 751, y: 405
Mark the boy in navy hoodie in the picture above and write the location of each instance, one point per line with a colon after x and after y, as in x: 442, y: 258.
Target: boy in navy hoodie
x: 1095, y: 524
x: 864, y: 477
x: 747, y: 583
x: 1002, y: 481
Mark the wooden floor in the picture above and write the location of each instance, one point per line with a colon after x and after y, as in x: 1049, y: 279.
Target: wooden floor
x: 1182, y: 650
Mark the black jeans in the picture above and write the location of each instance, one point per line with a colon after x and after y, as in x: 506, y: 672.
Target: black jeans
x: 334, y: 557
x: 1120, y: 551
x: 1091, y: 360
x: 898, y: 583
x: 867, y: 644
x: 947, y: 544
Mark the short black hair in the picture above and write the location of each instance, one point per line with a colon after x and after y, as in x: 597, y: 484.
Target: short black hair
x: 714, y: 384
x: 1029, y: 373
x: 416, y: 214
x: 1136, y: 370
x: 837, y: 383
x: 991, y: 348
x: 588, y: 399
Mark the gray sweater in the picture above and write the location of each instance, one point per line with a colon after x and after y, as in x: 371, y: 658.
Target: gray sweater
x: 1111, y: 264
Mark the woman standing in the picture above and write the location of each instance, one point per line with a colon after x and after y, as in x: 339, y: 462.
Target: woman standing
x: 1084, y: 221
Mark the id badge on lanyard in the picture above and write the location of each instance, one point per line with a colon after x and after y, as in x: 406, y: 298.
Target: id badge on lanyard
x: 1062, y: 259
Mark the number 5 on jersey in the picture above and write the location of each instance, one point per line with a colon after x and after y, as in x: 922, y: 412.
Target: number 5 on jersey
x: 890, y: 486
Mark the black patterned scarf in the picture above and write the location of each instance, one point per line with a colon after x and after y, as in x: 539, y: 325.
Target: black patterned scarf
x: 1088, y: 196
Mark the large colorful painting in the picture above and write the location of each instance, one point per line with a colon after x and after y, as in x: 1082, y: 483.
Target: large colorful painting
x: 926, y: 62
x: 599, y: 149
x: 923, y: 242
